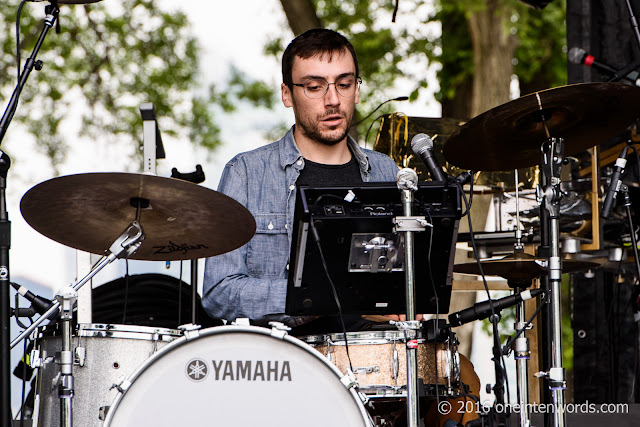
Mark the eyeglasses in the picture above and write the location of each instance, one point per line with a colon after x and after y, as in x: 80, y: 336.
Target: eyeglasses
x: 317, y: 88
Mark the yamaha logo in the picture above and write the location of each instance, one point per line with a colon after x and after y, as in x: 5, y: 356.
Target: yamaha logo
x: 197, y: 370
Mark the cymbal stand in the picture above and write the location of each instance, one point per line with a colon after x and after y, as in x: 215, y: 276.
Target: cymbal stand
x: 520, y: 347
x: 66, y: 298
x: 408, y: 224
x: 125, y: 245
x: 521, y: 355
x: 549, y: 195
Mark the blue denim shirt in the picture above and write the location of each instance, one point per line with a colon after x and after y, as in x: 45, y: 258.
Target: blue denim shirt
x: 251, y: 281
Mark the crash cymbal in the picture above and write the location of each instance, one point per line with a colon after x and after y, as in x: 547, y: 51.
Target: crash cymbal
x: 520, y: 267
x: 510, y: 135
x: 182, y: 221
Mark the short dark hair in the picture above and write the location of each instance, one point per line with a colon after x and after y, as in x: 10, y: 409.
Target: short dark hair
x: 314, y: 42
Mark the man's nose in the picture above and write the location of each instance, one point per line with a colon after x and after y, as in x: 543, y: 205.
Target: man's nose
x: 332, y: 97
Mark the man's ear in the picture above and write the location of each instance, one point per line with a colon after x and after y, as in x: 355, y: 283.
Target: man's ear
x: 286, y: 95
x: 357, y: 98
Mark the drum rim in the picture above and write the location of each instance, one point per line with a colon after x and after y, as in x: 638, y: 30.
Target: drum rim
x: 110, y: 330
x: 359, y: 337
x: 130, y: 380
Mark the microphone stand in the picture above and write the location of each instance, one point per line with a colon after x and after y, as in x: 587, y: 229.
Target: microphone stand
x: 52, y: 12
x: 634, y: 243
x: 408, y: 224
x: 5, y: 283
x: 52, y: 15
x: 619, y: 75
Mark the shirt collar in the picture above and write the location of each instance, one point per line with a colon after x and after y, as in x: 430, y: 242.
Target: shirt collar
x: 289, y: 152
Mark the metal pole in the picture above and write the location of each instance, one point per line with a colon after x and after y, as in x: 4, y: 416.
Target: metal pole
x: 522, y: 354
x: 411, y: 334
x: 549, y: 195
x: 5, y: 303
x: 66, y: 297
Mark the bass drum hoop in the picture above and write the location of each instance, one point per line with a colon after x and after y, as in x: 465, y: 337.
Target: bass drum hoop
x: 189, y: 337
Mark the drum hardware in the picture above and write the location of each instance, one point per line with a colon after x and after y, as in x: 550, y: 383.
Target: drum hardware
x: 184, y: 374
x: 379, y: 361
x: 407, y: 183
x: 135, y: 191
x: 66, y: 298
x: 104, y: 355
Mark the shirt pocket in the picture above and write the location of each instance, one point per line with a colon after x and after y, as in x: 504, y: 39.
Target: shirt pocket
x: 268, y: 250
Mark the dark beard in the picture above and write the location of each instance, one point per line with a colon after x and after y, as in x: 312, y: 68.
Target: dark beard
x: 313, y: 131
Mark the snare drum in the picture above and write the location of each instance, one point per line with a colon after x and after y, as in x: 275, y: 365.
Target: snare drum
x: 379, y: 362
x: 102, y: 354
x: 237, y: 376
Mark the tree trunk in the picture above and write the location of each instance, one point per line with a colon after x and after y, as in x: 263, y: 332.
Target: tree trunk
x: 301, y: 15
x: 493, y: 50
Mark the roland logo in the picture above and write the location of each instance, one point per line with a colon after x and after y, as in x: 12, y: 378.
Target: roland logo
x: 252, y: 370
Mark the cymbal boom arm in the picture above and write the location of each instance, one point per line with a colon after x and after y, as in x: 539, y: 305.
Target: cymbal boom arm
x: 124, y: 246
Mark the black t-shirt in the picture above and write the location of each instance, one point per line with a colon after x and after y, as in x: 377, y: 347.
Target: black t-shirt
x: 320, y: 174
x: 317, y: 174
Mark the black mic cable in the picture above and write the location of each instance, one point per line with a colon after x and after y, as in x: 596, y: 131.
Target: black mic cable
x: 400, y: 98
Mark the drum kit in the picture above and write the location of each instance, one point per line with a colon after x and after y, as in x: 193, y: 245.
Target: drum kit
x: 116, y: 375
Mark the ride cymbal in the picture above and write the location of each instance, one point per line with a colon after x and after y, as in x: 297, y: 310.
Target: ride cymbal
x: 510, y: 136
x: 182, y: 220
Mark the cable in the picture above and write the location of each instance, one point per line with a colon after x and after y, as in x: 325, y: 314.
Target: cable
x: 366, y: 136
x: 543, y: 300
x: 486, y: 287
x: 22, y: 3
x: 435, y: 294
x: 316, y: 237
x: 126, y: 291
x: 24, y: 382
x: 180, y: 296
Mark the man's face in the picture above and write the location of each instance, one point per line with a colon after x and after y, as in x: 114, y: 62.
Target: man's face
x: 326, y: 119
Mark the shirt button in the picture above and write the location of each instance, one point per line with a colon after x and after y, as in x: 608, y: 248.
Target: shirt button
x: 287, y: 267
x: 299, y: 162
x: 270, y: 226
x: 292, y: 187
x: 286, y: 226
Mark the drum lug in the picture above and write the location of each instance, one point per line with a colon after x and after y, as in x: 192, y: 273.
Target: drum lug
x: 121, y: 385
x: 366, y: 369
x: 80, y: 356
x: 102, y: 413
x: 279, y: 330
x: 349, y: 380
x: 35, y: 360
x: 190, y: 331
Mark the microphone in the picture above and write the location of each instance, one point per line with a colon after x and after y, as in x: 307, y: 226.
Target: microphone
x: 482, y: 310
x: 578, y: 55
x: 422, y: 145
x: 614, y: 185
x: 40, y: 304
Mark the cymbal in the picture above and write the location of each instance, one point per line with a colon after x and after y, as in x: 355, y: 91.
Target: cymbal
x: 520, y: 267
x: 510, y: 135
x: 182, y: 221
